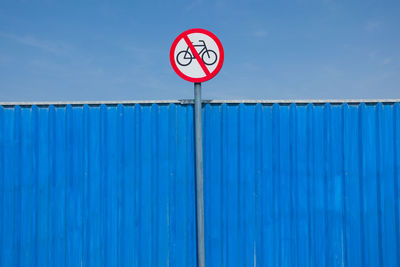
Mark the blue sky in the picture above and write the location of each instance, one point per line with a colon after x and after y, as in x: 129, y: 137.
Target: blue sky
x: 119, y: 50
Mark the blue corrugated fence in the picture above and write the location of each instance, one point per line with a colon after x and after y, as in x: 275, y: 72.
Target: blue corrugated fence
x: 285, y: 185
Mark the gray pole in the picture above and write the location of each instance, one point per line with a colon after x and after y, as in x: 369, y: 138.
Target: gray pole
x: 201, y: 261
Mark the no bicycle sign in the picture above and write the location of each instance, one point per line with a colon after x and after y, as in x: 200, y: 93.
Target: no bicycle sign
x: 197, y: 55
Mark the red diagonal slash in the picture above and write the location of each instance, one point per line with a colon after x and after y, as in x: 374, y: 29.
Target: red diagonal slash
x: 196, y: 55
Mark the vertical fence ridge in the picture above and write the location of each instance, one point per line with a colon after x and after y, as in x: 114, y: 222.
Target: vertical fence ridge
x: 379, y: 175
x: 2, y: 183
x: 396, y: 141
x: 344, y: 175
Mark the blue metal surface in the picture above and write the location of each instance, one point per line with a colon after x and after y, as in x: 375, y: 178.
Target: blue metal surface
x: 285, y: 185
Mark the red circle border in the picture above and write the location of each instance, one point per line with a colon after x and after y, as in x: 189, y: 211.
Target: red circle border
x: 207, y: 77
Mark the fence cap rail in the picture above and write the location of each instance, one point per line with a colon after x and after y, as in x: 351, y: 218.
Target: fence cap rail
x: 205, y: 101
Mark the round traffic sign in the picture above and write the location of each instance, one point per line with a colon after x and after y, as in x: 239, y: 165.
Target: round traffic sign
x: 197, y: 55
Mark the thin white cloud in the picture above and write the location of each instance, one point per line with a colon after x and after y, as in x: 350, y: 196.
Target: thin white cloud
x: 193, y: 5
x: 372, y: 55
x: 373, y: 26
x: 260, y: 33
x: 379, y: 58
x: 387, y: 60
x: 32, y: 41
x: 143, y: 56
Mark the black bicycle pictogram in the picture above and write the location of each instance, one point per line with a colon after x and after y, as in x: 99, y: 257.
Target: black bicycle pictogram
x: 208, y: 56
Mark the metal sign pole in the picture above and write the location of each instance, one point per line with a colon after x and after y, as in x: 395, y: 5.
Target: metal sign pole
x: 201, y: 262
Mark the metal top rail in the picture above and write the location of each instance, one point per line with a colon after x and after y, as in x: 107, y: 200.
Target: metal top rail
x: 204, y: 101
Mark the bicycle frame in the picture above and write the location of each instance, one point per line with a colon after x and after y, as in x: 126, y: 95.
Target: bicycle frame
x: 191, y: 56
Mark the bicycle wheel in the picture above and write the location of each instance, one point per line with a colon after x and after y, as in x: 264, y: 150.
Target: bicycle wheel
x: 209, y: 58
x: 182, y: 58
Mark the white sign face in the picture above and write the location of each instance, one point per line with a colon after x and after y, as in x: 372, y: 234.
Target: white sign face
x: 197, y: 55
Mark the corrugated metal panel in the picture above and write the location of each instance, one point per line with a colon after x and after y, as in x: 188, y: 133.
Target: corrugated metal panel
x: 285, y: 185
